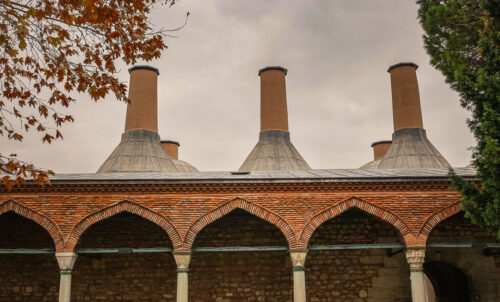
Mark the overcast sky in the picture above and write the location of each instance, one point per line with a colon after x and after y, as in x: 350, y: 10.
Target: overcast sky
x: 339, y: 98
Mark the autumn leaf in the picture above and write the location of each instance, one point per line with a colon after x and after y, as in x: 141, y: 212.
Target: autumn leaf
x: 50, y: 49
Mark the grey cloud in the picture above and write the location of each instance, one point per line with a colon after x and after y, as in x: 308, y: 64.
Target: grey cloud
x: 339, y: 98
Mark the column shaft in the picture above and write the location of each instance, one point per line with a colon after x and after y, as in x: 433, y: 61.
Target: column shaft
x: 416, y: 259
x: 65, y: 286
x: 299, y: 277
x: 66, y: 263
x: 182, y: 286
x: 182, y: 259
x: 418, y: 292
x: 299, y: 285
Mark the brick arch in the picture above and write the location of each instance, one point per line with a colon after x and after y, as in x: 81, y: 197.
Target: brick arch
x: 435, y: 219
x: 345, y: 205
x: 242, y: 204
x: 124, y: 206
x: 44, y: 222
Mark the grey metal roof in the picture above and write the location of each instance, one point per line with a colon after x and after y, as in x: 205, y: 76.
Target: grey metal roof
x: 141, y: 151
x: 371, y: 165
x: 323, y: 175
x: 274, y: 151
x: 410, y: 148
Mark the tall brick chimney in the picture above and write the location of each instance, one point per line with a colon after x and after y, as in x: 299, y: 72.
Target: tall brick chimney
x: 140, y: 149
x: 406, y: 109
x: 273, y: 107
x: 142, y: 111
x: 274, y: 150
x: 410, y: 147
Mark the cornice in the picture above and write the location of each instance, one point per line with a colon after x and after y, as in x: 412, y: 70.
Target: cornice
x: 197, y: 188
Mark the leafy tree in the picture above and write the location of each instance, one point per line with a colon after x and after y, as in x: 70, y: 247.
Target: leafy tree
x: 462, y: 38
x: 51, y: 48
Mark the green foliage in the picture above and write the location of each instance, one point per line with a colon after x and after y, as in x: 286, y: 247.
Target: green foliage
x: 462, y: 38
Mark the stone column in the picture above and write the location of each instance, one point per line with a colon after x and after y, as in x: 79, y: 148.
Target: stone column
x: 182, y: 259
x: 416, y: 259
x: 66, y: 262
x: 299, y: 277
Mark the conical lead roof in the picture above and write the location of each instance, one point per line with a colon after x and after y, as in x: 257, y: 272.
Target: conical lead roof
x: 274, y: 151
x: 410, y: 148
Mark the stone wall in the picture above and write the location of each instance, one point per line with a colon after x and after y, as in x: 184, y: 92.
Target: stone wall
x: 124, y: 277
x: 482, y: 271
x: 29, y: 278
x: 240, y: 276
x: 356, y: 275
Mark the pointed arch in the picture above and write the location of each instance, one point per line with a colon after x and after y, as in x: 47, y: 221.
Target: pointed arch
x: 242, y: 204
x: 41, y: 220
x: 123, y: 206
x: 345, y: 205
x: 436, y: 218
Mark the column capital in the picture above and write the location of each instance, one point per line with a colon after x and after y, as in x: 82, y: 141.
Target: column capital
x: 298, y: 258
x: 66, y: 261
x: 416, y: 259
x: 182, y: 259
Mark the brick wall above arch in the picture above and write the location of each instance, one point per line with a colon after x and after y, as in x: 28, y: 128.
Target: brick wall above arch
x: 44, y: 222
x: 124, y: 206
x: 436, y: 218
x: 251, y: 208
x: 345, y: 205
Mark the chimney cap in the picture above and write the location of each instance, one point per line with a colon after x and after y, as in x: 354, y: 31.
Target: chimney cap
x: 285, y: 71
x: 402, y: 64
x: 381, y: 142
x: 138, y: 67
x: 167, y: 141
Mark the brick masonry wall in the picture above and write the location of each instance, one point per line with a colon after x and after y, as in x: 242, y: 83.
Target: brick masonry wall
x: 124, y: 277
x: 482, y: 271
x: 356, y: 275
x: 240, y: 276
x: 29, y: 278
x: 408, y: 205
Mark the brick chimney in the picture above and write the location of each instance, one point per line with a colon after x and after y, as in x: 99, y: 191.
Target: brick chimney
x: 142, y: 111
x: 171, y: 148
x: 406, y: 109
x: 273, y: 107
x: 274, y: 150
x: 380, y: 148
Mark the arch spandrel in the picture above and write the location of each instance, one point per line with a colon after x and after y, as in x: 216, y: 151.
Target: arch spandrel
x: 124, y: 206
x: 249, y: 207
x: 353, y: 202
x: 41, y: 220
x: 433, y: 220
